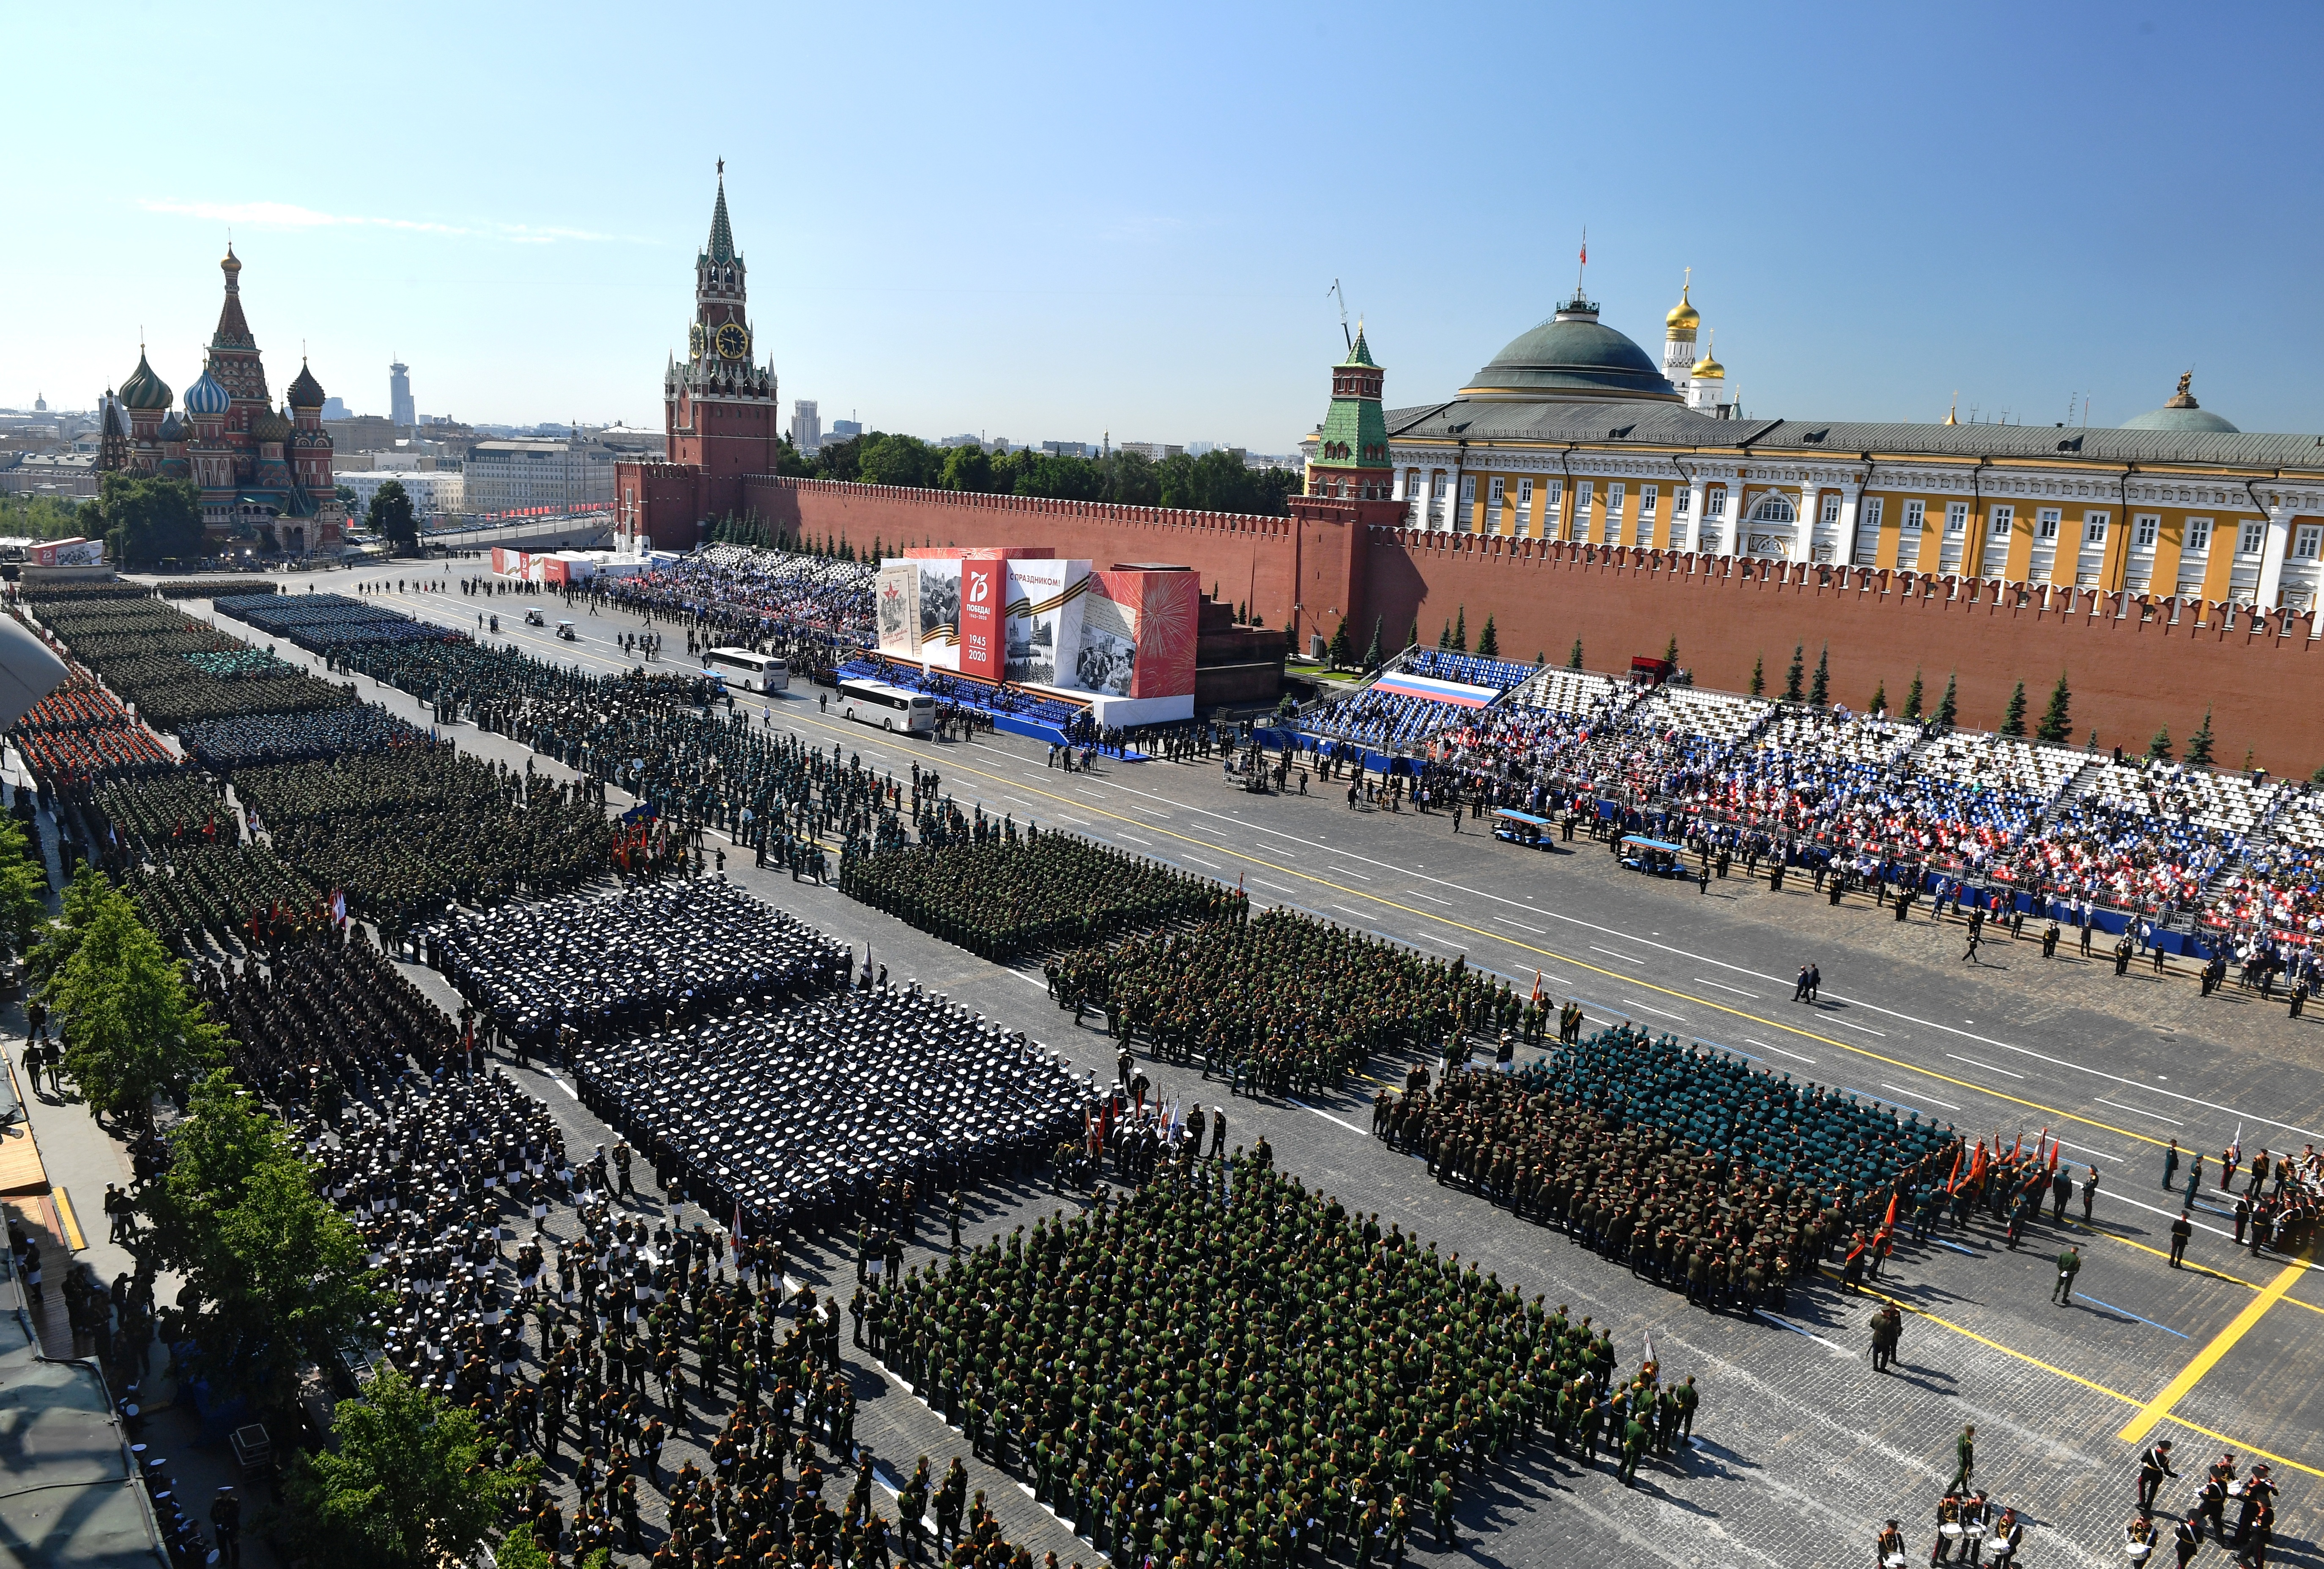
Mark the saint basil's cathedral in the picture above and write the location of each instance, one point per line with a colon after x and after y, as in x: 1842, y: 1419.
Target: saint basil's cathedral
x: 255, y: 469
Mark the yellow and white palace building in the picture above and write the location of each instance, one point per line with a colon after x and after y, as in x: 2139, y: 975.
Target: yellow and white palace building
x: 1571, y: 432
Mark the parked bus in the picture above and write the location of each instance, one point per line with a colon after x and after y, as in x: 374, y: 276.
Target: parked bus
x: 891, y: 708
x: 751, y: 672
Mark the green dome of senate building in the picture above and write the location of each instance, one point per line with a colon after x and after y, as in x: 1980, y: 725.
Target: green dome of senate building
x: 2181, y: 413
x: 1571, y: 355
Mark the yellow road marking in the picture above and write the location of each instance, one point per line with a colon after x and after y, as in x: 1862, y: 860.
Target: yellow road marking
x: 2201, y: 1269
x: 2090, y: 1385
x: 74, y: 1241
x: 2157, y: 1408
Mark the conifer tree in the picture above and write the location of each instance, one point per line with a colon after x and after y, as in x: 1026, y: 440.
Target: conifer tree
x: 1574, y: 661
x: 1913, y: 696
x: 1948, y: 709
x: 2198, y: 745
x: 2012, y: 719
x: 1820, y: 689
x: 1758, y: 675
x: 2057, y: 721
x: 1792, y: 689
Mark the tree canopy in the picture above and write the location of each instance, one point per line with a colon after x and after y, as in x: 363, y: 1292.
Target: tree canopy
x: 143, y: 520
x: 1216, y: 482
x: 392, y: 516
x: 132, y: 1028
x: 405, y: 1485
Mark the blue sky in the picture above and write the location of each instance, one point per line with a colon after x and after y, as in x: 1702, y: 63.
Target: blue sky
x: 1054, y: 222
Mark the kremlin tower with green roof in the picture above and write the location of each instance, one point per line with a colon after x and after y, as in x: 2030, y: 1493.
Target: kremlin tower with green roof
x: 1351, y: 459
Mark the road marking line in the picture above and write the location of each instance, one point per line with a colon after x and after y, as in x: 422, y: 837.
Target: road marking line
x: 1343, y: 871
x: 1867, y: 1029
x: 1988, y: 1066
x: 1724, y: 987
x: 1624, y: 958
x: 2086, y: 1149
x: 2205, y: 1360
x: 1932, y: 1100
x: 2140, y: 1111
x: 1783, y: 1322
x: 1430, y: 897
x: 804, y: 720
x: 1327, y: 1116
x: 1537, y: 930
x: 2127, y: 1313
x: 1665, y: 1013
x: 1201, y: 862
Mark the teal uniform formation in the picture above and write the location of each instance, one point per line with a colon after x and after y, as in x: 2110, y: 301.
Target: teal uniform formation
x: 1727, y: 1232
x: 1329, y: 1381
x: 1830, y: 1141
x: 1281, y: 1002
x: 1004, y: 898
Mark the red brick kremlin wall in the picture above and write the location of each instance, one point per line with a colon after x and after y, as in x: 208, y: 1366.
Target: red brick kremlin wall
x: 2132, y: 667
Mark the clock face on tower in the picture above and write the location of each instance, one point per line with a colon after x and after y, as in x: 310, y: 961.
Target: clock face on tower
x: 696, y: 339
x: 733, y: 343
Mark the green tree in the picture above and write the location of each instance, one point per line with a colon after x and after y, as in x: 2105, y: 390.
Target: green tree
x: 1489, y: 641
x: 967, y: 468
x: 1792, y: 689
x: 1758, y: 675
x: 1461, y: 632
x: 44, y: 518
x: 1444, y: 639
x: 275, y: 1276
x: 391, y: 518
x: 1879, y: 703
x: 791, y: 462
x: 1670, y: 655
x: 1574, y: 660
x: 132, y: 1027
x: 143, y: 520
x: 2199, y: 744
x: 2159, y: 748
x: 24, y: 888
x: 1343, y: 646
x: 2057, y: 721
x: 1130, y: 480
x: 840, y: 460
x: 1413, y: 641
x: 1820, y: 689
x: 2013, y: 718
x: 1948, y: 706
x: 345, y: 494
x: 406, y: 1485
x: 1913, y: 696
x: 1373, y: 656
x: 898, y: 459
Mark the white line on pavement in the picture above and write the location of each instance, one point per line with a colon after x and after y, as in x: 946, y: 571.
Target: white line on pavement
x: 2140, y: 1110
x: 1430, y: 897
x: 1988, y: 1066
x: 1327, y: 1116
x: 1932, y: 1100
x: 1624, y: 958
x: 1724, y: 987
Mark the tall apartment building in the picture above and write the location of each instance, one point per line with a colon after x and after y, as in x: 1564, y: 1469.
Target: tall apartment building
x: 806, y: 425
x: 400, y: 407
x: 503, y: 476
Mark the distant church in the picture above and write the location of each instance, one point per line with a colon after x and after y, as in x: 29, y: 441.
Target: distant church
x: 257, y: 469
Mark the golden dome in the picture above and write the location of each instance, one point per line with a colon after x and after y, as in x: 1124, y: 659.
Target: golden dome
x: 1683, y: 318
x: 1707, y: 369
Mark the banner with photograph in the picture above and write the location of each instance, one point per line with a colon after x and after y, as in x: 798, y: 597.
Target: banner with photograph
x: 1045, y: 615
x: 940, y: 612
x: 896, y: 604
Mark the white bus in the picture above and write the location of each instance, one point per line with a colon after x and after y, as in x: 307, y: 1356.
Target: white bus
x: 891, y: 708
x: 751, y: 672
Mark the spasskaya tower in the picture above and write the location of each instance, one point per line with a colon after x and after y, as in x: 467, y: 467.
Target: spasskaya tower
x: 718, y: 407
x: 718, y: 411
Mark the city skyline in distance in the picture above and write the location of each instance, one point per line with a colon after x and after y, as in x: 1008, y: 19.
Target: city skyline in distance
x: 1144, y: 244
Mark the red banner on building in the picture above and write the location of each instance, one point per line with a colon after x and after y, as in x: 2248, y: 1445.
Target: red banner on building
x: 982, y: 596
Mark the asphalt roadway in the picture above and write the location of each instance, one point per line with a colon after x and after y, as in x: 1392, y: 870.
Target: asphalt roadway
x: 1802, y: 1448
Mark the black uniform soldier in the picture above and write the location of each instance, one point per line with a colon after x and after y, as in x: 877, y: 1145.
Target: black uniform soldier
x: 2180, y: 1230
x: 2153, y: 1467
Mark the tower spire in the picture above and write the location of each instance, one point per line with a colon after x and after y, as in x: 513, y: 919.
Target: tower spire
x: 722, y: 233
